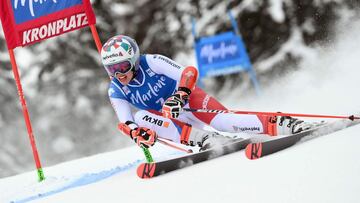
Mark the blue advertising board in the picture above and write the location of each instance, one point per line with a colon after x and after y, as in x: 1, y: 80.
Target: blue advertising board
x: 26, y: 10
x: 221, y: 54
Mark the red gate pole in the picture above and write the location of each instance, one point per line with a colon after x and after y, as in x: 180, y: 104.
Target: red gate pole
x: 96, y: 37
x: 26, y: 115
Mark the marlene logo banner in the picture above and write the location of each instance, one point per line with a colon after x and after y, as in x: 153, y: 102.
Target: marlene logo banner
x: 28, y: 21
x: 219, y: 51
x: 221, y: 54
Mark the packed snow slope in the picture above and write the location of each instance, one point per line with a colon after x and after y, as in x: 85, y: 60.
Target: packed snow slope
x: 325, y: 169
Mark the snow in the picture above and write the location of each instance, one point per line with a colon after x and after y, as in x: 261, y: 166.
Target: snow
x: 62, y: 145
x: 208, y: 17
x: 122, y: 9
x: 310, y: 172
x: 326, y: 84
x: 276, y: 11
x: 325, y: 169
x: 294, y: 45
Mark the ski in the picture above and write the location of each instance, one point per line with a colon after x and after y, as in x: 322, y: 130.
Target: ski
x: 149, y: 170
x: 257, y: 150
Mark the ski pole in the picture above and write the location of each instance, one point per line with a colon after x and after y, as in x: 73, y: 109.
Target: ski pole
x: 147, y: 154
x: 126, y: 130
x: 174, y: 146
x: 352, y: 117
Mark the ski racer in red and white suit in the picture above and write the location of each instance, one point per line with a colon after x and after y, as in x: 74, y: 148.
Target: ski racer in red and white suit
x: 159, y: 88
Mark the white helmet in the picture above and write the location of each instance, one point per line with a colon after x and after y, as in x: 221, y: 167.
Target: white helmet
x: 120, y: 54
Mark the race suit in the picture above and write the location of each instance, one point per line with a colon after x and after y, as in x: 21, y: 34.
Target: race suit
x: 157, y: 79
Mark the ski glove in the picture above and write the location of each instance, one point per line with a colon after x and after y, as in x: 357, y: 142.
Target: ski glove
x: 142, y: 136
x: 174, y: 104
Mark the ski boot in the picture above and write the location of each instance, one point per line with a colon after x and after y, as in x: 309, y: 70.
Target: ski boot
x: 286, y: 125
x: 205, y: 139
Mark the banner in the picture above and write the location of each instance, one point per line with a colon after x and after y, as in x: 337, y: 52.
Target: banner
x: 28, y: 21
x: 221, y: 54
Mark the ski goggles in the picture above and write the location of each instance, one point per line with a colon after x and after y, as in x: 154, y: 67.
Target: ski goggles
x: 122, y: 67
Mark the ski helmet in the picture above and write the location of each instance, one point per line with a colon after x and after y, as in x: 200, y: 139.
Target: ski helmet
x: 120, y: 54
